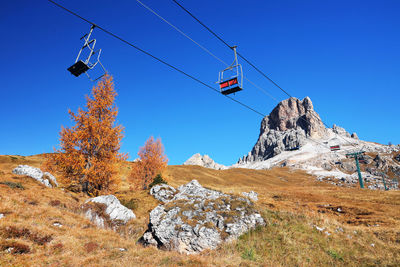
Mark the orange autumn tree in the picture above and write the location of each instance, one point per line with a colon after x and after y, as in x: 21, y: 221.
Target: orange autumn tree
x: 152, y: 161
x: 89, y: 150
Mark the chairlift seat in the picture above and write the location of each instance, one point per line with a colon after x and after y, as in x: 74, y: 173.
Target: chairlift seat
x: 78, y: 68
x: 335, y: 148
x: 231, y: 85
x: 231, y: 90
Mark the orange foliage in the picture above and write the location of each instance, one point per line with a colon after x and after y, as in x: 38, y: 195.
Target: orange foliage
x: 152, y: 162
x: 90, y: 149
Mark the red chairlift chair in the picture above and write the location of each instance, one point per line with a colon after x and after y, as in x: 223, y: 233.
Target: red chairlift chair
x: 234, y: 83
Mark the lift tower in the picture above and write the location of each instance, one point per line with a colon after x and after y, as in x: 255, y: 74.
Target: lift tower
x: 357, y: 156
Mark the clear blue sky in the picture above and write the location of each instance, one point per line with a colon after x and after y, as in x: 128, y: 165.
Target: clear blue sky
x: 344, y: 55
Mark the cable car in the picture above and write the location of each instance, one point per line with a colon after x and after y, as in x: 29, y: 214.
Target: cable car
x: 335, y: 148
x: 230, y: 80
x: 82, y: 66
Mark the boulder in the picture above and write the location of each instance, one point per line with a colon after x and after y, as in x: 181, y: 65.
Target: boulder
x: 340, y: 131
x: 348, y: 166
x: 326, y: 166
x: 43, y: 177
x: 196, y: 218
x: 286, y: 128
x: 1, y: 215
x: 355, y: 136
x: 204, y: 161
x: 253, y: 196
x: 107, y: 211
x: 381, y: 163
x: 163, y: 192
x: 397, y: 157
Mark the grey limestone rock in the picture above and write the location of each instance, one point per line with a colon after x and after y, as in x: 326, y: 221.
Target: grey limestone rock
x: 163, y: 192
x: 253, y: 196
x: 326, y: 166
x: 204, y: 161
x: 197, y: 218
x: 43, y: 177
x: 340, y: 131
x: 112, y: 212
x: 355, y: 136
x: 347, y: 166
x: 287, y: 127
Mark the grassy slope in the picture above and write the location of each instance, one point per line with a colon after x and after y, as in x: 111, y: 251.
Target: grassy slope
x: 290, y: 201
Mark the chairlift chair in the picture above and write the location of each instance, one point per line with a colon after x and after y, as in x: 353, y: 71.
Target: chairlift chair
x: 82, y: 66
x: 335, y: 148
x: 234, y: 82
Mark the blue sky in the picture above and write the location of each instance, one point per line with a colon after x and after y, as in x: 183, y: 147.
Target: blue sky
x: 344, y: 55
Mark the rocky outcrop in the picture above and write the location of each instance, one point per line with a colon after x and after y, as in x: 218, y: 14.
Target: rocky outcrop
x: 107, y: 211
x: 287, y: 127
x: 253, y: 196
x: 397, y: 157
x: 162, y: 192
x: 204, y: 161
x: 195, y: 218
x: 43, y: 177
x: 355, y: 136
x: 341, y: 131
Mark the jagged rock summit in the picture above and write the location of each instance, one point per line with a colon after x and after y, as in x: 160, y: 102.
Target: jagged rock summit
x: 204, y: 161
x: 192, y: 218
x: 286, y: 128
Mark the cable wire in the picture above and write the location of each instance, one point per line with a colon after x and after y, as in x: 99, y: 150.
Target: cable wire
x: 154, y: 57
x: 202, y: 47
x: 244, y: 58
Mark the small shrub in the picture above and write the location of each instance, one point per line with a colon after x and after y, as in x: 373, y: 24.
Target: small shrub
x: 40, y: 240
x: 14, y: 232
x: 130, y: 204
x: 248, y: 254
x: 335, y: 255
x: 157, y: 180
x: 57, y: 248
x: 13, y: 158
x: 13, y: 185
x: 91, y: 246
x: 55, y: 203
x: 14, y: 247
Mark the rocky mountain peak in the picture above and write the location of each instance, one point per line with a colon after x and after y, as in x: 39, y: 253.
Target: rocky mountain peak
x: 287, y: 127
x: 293, y: 113
x: 204, y: 161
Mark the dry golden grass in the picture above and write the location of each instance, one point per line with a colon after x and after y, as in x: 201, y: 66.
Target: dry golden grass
x: 291, y: 202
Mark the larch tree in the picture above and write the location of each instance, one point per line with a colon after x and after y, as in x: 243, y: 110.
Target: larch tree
x: 89, y: 150
x: 152, y: 161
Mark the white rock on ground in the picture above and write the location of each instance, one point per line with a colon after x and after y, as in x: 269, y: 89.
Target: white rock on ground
x: 251, y: 195
x: 43, y: 177
x: 204, y: 161
x: 163, y: 192
x: 115, y: 212
x: 1, y: 215
x: 196, y: 218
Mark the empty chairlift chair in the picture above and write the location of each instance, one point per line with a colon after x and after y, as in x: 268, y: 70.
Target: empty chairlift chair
x: 335, y: 148
x: 230, y: 80
x: 82, y: 66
